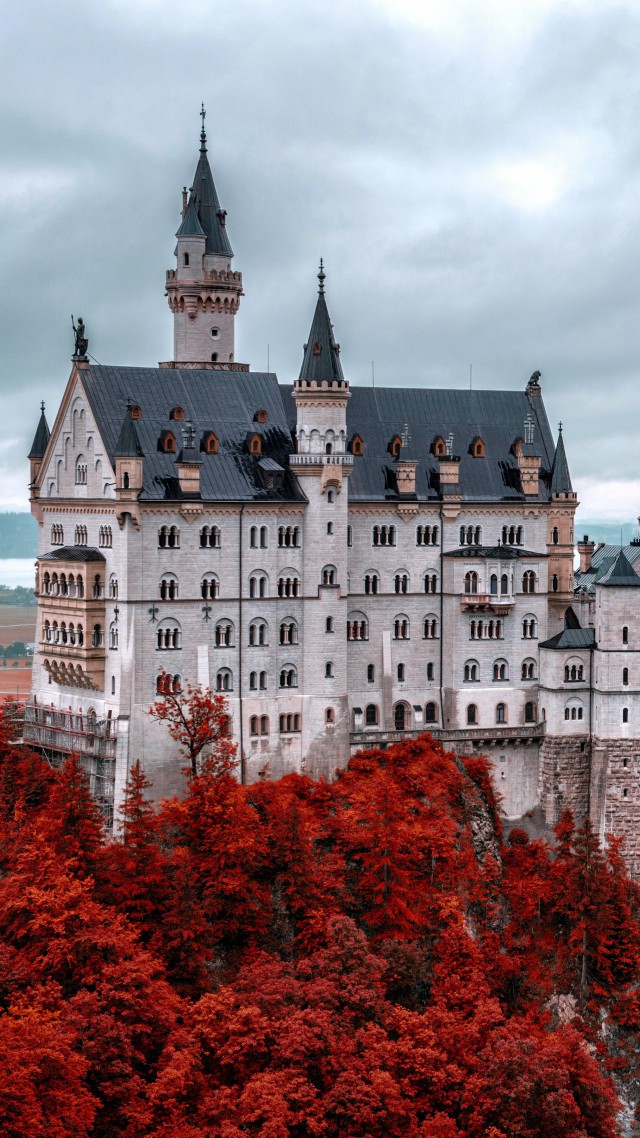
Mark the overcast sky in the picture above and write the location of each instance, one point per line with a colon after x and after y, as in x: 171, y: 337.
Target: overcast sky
x: 469, y: 172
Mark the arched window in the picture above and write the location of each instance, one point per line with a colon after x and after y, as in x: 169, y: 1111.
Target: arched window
x: 258, y: 633
x: 529, y: 581
x: 431, y: 713
x: 258, y: 585
x: 439, y: 447
x: 402, y: 717
x: 253, y: 537
x: 97, y: 636
x: 500, y: 670
x: 493, y: 584
x: 329, y: 575
x: 430, y: 582
x: 471, y: 672
x: 209, y: 587
x: 81, y: 470
x: 113, y: 587
x: 625, y: 676
x: 290, y: 723
x: 167, y: 442
x: 105, y: 537
x: 224, y: 680
x: 329, y: 624
x: 168, y: 587
x: 401, y: 582
x: 371, y: 582
x: 501, y: 713
x: 504, y: 585
x: 81, y: 535
x: 384, y: 535
x: 210, y: 537
x: 625, y: 714
x: 288, y: 536
x: 400, y: 673
x: 224, y: 634
x: 529, y: 669
x: 357, y: 626
x: 264, y: 724
x: 254, y: 725
x: 172, y: 537
x: 288, y: 631
x: 176, y: 413
x: 113, y: 636
x: 429, y: 671
x: 209, y: 443
x: 168, y: 634
x: 530, y: 627
x: 555, y: 537
x: 427, y: 535
x: 371, y: 715
x: 554, y: 583
x: 477, y: 448
x: 574, y: 671
x: 356, y: 446
x: 57, y: 534
x: 530, y: 712
x: 471, y: 582
x: 430, y: 627
x: 329, y: 716
x: 625, y: 635
x: 472, y: 714
x: 395, y: 446
x: 401, y: 628
x: 329, y: 670
x: 288, y: 676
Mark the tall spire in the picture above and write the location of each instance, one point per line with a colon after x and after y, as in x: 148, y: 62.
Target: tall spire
x: 560, y: 477
x: 41, y: 437
x: 204, y: 203
x: 128, y: 444
x: 321, y: 360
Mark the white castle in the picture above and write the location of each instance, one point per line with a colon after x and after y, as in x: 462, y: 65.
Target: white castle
x: 351, y: 566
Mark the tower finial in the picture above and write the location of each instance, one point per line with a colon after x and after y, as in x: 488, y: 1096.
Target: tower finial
x: 321, y: 276
x: 203, y: 137
x: 560, y: 427
x: 42, y: 406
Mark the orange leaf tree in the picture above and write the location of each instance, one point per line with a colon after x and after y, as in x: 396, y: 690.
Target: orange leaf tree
x: 198, y: 719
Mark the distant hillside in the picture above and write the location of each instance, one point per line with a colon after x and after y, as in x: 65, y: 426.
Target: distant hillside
x: 18, y: 535
x: 612, y: 533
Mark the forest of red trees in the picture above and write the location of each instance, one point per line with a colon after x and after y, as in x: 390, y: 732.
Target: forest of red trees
x: 295, y: 958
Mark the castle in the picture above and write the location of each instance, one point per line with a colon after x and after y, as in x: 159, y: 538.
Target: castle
x: 350, y: 565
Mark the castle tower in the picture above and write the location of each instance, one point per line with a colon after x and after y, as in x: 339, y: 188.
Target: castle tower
x: 37, y: 452
x: 560, y: 537
x: 203, y: 291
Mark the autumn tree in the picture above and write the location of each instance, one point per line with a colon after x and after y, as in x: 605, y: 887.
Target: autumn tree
x: 197, y: 719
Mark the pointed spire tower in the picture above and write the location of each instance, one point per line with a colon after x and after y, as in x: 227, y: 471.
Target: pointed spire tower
x: 321, y: 393
x: 203, y: 291
x: 129, y: 467
x: 564, y: 503
x: 38, y: 448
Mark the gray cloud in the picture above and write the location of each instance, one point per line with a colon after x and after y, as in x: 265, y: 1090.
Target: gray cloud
x: 475, y: 196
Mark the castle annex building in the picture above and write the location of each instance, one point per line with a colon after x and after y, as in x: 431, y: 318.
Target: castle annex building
x: 351, y: 566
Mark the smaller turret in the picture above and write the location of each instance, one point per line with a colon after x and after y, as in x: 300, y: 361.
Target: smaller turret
x: 189, y: 463
x: 129, y: 460
x: 38, y: 448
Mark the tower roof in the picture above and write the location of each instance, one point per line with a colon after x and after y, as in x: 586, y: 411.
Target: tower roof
x: 321, y: 360
x: 621, y: 572
x: 128, y: 444
x: 560, y: 477
x: 41, y: 437
x: 206, y: 205
x: 190, y: 226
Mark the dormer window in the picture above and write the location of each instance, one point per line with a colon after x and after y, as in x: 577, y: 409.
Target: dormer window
x: 477, y: 448
x: 395, y: 446
x: 439, y: 447
x: 317, y: 349
x: 176, y: 413
x: 167, y: 442
x: 255, y: 444
x: 260, y: 417
x: 209, y: 443
x: 357, y: 445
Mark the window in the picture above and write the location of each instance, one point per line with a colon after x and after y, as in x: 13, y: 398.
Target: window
x: 288, y: 632
x: 125, y: 480
x: 554, y: 583
x: 113, y: 636
x: 288, y: 677
x: 357, y: 627
x: 401, y: 628
x: 260, y: 416
x: 477, y: 448
x: 625, y: 635
x: 401, y: 582
x: 176, y: 413
x: 81, y: 470
x: 329, y: 624
x: 258, y: 633
x: 493, y: 584
x: 209, y: 443
x: 81, y: 535
x: 471, y: 672
x: 427, y: 535
x: 289, y: 585
x: 625, y: 676
x: 185, y: 259
x: 430, y: 627
x: 471, y: 582
x: 105, y: 537
x: 166, y: 684
x: 329, y: 575
x: 167, y: 442
x: 264, y: 724
x: 504, y: 585
x: 253, y: 537
x: 168, y: 537
x: 289, y: 724
x: 430, y: 671
x: 401, y: 717
x: 555, y: 537
x: 430, y: 583
x: 209, y: 587
x: 501, y: 713
x: 168, y: 635
x: 329, y: 670
x: 168, y: 587
x: 371, y: 583
x: 288, y: 536
x: 530, y: 712
x: 400, y: 672
x: 512, y: 535
x: 224, y: 680
x: 431, y: 713
x: 135, y: 411
x: 331, y: 495
x: 529, y: 581
x: 470, y: 535
x: 224, y: 634
x: 254, y: 725
x: 529, y: 627
x: 371, y: 673
x: 500, y: 670
x: 329, y: 716
x: 625, y: 714
x: 529, y: 670
x: 371, y: 715
x: 57, y: 534
x: 210, y: 537
x: 258, y: 585
x: 357, y: 445
x: 384, y: 535
x: 472, y: 714
x: 349, y: 536
x: 113, y: 587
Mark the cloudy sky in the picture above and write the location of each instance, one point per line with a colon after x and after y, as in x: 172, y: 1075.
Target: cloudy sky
x: 469, y: 172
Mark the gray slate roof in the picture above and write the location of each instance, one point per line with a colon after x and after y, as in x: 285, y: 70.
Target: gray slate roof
x: 572, y: 638
x: 73, y: 553
x: 221, y: 401
x: 498, y: 417
x: 207, y: 207
x: 321, y: 358
x: 620, y: 573
x: 128, y: 444
x: 41, y: 437
x: 560, y: 477
x: 603, y: 561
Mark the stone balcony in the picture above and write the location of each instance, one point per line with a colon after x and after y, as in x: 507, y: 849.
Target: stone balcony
x: 487, y: 602
x: 493, y: 736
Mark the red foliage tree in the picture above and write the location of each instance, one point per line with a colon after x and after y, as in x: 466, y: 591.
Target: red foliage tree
x: 198, y: 719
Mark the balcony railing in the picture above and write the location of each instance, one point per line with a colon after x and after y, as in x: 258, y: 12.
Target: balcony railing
x: 67, y: 731
x: 320, y: 460
x: 490, y: 735
x: 498, y: 602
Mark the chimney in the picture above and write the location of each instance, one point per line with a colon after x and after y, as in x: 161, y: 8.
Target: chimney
x: 586, y: 549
